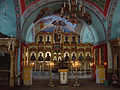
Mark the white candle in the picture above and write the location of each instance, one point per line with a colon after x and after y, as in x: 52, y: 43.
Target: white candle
x: 76, y: 1
x: 84, y: 10
x: 69, y: 7
x: 62, y: 10
x: 64, y: 4
x: 40, y: 68
x: 75, y: 15
x: 81, y: 3
x: 35, y: 66
x: 69, y: 1
x: 79, y: 8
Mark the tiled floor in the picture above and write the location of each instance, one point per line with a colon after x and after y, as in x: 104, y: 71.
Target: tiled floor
x: 85, y: 84
x: 46, y: 75
x: 41, y: 80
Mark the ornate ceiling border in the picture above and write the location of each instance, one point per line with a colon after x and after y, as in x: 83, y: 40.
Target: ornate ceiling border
x: 40, y: 3
x: 104, y: 12
x: 83, y: 30
x: 110, y: 18
x: 18, y: 19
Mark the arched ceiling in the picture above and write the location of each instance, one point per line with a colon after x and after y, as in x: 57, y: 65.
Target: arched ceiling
x: 99, y: 28
x: 115, y: 29
x: 102, y: 5
x: 99, y: 10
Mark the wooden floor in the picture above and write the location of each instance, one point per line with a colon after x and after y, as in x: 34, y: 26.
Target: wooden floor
x: 85, y: 84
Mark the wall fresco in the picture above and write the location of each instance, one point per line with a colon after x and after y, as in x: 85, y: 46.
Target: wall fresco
x: 100, y: 3
x: 28, y: 2
x: 7, y: 19
x: 3, y: 11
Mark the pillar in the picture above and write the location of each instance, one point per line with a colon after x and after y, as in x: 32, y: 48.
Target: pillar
x: 11, y: 70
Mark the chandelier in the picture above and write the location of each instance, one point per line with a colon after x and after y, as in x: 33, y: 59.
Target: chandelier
x: 73, y: 12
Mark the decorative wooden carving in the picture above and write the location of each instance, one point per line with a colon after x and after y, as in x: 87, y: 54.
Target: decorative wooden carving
x: 115, y: 46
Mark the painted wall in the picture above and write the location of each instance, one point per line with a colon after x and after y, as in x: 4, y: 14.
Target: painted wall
x: 115, y: 31
x: 87, y: 36
x: 7, y: 17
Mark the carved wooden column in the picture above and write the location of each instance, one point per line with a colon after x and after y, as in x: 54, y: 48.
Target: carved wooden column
x: 12, y: 70
x: 37, y: 64
x: 115, y: 45
x: 99, y: 56
x: 43, y: 60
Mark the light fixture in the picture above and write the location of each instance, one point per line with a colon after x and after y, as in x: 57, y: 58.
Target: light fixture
x: 73, y: 12
x: 105, y: 63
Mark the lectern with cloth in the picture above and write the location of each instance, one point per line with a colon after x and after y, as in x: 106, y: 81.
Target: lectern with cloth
x: 63, y: 72
x: 63, y: 76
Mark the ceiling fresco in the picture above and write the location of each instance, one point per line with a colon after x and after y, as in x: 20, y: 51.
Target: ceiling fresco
x: 102, y: 5
x: 100, y: 30
x: 28, y: 2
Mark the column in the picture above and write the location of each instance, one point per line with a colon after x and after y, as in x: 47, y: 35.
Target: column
x: 24, y: 55
x: 11, y: 70
x: 109, y: 56
x: 27, y: 56
x: 99, y: 56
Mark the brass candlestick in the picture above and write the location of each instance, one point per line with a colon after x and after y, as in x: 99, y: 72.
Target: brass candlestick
x: 51, y: 82
x: 76, y: 84
x: 76, y: 65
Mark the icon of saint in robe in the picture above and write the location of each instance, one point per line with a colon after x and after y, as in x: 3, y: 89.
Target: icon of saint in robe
x: 81, y: 58
x: 48, y: 57
x: 40, y: 39
x: 40, y: 57
x: 88, y: 58
x: 73, y: 57
x: 67, y: 57
x: 32, y: 57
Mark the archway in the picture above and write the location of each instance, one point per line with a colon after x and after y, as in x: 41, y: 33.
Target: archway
x: 96, y: 28
x: 4, y: 68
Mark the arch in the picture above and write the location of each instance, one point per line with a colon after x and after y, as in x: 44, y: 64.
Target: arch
x: 74, y: 53
x: 99, y: 31
x: 47, y: 53
x: 114, y: 28
x: 66, y: 53
x: 41, y: 53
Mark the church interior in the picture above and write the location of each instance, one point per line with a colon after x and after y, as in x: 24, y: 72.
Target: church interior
x: 60, y: 44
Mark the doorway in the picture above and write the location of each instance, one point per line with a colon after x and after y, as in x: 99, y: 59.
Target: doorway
x: 4, y: 68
